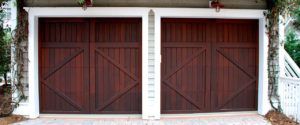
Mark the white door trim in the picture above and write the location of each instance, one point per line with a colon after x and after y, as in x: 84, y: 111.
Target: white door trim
x: 263, y: 103
x: 36, y: 12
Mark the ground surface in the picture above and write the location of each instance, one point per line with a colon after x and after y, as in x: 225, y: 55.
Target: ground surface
x: 198, y: 120
x: 277, y: 118
x: 11, y: 119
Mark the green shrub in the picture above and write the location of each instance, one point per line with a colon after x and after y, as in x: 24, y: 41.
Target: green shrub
x: 5, y: 40
x: 296, y: 17
x: 292, y: 46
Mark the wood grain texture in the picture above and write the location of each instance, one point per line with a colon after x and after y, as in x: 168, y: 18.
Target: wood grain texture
x: 117, y: 46
x: 90, y: 65
x: 209, y: 65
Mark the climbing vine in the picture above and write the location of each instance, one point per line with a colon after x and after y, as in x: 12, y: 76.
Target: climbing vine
x: 19, y: 41
x: 278, y: 13
x: 20, y: 46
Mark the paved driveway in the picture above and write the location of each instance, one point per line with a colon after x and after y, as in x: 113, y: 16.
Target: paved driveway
x: 249, y: 119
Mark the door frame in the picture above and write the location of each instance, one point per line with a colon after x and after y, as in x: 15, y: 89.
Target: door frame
x: 32, y: 107
x: 263, y: 101
x: 34, y: 13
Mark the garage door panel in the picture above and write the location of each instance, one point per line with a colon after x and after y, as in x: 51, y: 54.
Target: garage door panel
x: 239, y: 102
x: 192, y: 73
x: 179, y: 103
x: 183, y: 32
x: 117, y: 60
x: 236, y: 31
x: 176, y: 58
x: 239, y: 58
x: 127, y: 103
x: 183, y: 78
x: 90, y: 65
x: 64, y: 30
x: 58, y: 103
x: 231, y: 82
x: 56, y: 58
x: 235, y: 55
x: 72, y: 68
x: 62, y: 66
x: 118, y: 81
x: 117, y: 74
x: 184, y: 58
x: 59, y: 68
x: 123, y: 59
x: 118, y: 30
x: 244, y: 58
x: 217, y: 65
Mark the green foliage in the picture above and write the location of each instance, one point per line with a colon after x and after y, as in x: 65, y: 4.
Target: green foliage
x: 296, y: 16
x: 80, y: 2
x: 4, y: 52
x: 5, y: 40
x: 292, y: 46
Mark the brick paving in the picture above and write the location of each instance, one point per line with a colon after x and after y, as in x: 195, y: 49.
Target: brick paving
x: 197, y: 120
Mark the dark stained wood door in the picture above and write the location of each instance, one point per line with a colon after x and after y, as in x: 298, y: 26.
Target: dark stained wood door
x: 235, y: 65
x: 90, y: 65
x: 185, y: 66
x: 116, y: 48
x: 208, y: 65
x: 64, y: 65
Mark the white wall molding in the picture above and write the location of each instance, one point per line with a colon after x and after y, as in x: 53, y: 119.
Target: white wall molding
x: 263, y: 81
x: 89, y: 12
x: 209, y: 13
x: 157, y: 55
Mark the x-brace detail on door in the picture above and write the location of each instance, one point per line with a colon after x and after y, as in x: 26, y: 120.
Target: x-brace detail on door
x: 125, y: 90
x: 57, y: 68
x: 176, y: 69
x: 243, y: 69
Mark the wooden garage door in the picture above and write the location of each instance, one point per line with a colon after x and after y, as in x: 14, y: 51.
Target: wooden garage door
x: 209, y: 65
x: 116, y: 65
x: 90, y: 65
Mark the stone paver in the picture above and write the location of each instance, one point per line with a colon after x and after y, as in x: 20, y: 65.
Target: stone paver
x: 203, y: 120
